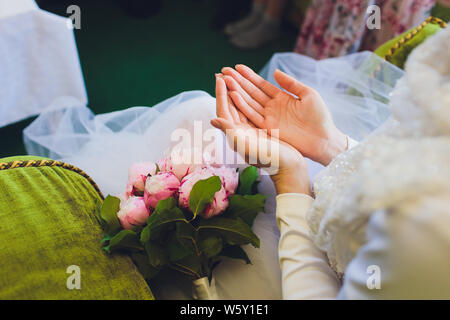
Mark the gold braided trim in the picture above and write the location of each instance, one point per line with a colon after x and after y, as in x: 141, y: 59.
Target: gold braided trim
x: 411, y: 34
x: 49, y: 163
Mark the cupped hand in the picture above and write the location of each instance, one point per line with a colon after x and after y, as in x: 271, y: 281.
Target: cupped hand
x: 300, y: 114
x: 292, y: 173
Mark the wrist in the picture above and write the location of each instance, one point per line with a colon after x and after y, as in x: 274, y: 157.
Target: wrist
x: 337, y: 144
x: 292, y: 180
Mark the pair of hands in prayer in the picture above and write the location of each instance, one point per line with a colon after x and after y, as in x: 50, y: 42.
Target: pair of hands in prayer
x: 244, y: 100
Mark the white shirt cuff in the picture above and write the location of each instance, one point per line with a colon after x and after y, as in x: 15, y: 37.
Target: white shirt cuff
x: 293, y: 207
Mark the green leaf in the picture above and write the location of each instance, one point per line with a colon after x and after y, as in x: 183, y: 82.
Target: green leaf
x: 156, y: 254
x: 137, y: 229
x: 125, y: 239
x: 203, y: 193
x: 210, y: 246
x: 176, y: 250
x: 141, y: 261
x: 234, y: 232
x: 210, y: 264
x: 161, y: 221
x: 247, y: 179
x: 106, y: 238
x: 108, y: 213
x: 206, y: 267
x: 165, y: 204
x: 187, y: 236
x: 191, y: 265
x: 235, y: 252
x: 245, y: 207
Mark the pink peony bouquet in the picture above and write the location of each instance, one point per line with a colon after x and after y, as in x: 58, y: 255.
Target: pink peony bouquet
x: 183, y: 217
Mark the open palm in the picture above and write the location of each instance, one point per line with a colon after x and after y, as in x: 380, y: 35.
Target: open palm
x: 290, y: 175
x: 299, y: 116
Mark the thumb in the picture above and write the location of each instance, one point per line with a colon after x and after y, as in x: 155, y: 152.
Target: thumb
x: 290, y: 84
x: 222, y: 124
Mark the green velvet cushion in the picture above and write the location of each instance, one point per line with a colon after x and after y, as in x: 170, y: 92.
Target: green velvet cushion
x: 48, y: 223
x: 396, y: 51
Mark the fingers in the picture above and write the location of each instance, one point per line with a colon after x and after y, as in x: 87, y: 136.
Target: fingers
x: 248, y: 111
x: 290, y: 84
x: 244, y: 120
x: 268, y: 88
x: 234, y: 134
x: 233, y: 111
x: 232, y: 85
x: 238, y: 116
x: 253, y: 91
x: 222, y: 108
x: 248, y: 142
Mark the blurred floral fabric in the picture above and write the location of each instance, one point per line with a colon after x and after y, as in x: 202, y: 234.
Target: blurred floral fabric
x: 333, y: 28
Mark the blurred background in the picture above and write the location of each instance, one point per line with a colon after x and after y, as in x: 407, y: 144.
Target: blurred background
x: 140, y: 52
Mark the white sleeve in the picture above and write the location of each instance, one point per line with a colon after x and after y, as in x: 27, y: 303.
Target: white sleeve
x: 305, y: 271
x: 406, y: 255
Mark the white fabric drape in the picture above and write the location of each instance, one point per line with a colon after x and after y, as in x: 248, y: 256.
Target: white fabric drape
x: 38, y: 61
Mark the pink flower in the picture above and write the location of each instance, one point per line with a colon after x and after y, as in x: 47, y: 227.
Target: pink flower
x: 137, y: 174
x: 182, y: 162
x: 159, y: 187
x: 124, y: 196
x: 220, y: 202
x: 186, y: 160
x: 178, y: 168
x: 133, y: 212
x: 230, y: 178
